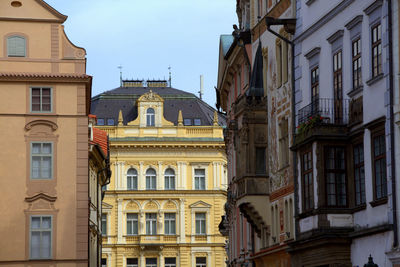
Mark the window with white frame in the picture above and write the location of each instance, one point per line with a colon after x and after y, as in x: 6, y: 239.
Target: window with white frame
x: 40, y: 237
x: 16, y: 46
x: 104, y: 224
x: 170, y: 223
x: 132, y: 262
x: 170, y: 262
x: 41, y: 160
x: 200, y: 179
x: 151, y: 262
x: 151, y: 223
x: 201, y: 262
x: 200, y: 218
x: 150, y: 117
x: 169, y: 178
x: 151, y: 180
x: 132, y: 223
x: 132, y: 179
x: 41, y: 99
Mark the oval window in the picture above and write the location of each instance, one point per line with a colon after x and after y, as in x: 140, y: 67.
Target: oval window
x: 16, y: 3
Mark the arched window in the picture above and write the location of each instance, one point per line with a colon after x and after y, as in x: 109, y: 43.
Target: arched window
x: 150, y: 117
x: 16, y: 46
x: 131, y: 179
x: 150, y: 179
x: 169, y: 178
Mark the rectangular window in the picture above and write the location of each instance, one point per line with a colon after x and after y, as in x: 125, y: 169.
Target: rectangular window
x: 169, y: 224
x: 315, y: 90
x: 103, y: 262
x: 260, y: 160
x: 40, y: 237
x: 356, y: 59
x: 41, y: 99
x: 199, y: 179
x: 200, y: 223
x: 131, y: 224
x: 307, y: 180
x: 197, y: 122
x: 359, y: 173
x: 338, y: 86
x: 16, y: 46
x: 104, y: 224
x: 379, y: 152
x: 201, y: 262
x: 151, y: 223
x: 376, y: 48
x: 132, y: 262
x: 170, y: 262
x: 187, y: 122
x: 151, y: 262
x: 335, y: 171
x: 41, y: 160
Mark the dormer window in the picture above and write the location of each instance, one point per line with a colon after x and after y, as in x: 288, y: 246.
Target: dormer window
x: 150, y: 117
x: 16, y: 46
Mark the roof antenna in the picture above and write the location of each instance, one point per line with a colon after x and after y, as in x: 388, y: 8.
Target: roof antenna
x: 201, y: 92
x: 170, y: 79
x: 120, y: 75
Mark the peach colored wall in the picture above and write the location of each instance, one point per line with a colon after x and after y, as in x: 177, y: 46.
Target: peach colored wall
x: 65, y: 196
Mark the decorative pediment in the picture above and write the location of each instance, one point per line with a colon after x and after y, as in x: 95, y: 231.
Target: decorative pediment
x: 106, y: 206
x: 170, y: 205
x: 150, y: 97
x: 132, y: 205
x: 53, y: 126
x: 151, y: 205
x: 200, y: 204
x: 41, y: 201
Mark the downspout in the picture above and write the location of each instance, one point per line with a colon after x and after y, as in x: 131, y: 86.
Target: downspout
x: 392, y: 141
x: 291, y: 43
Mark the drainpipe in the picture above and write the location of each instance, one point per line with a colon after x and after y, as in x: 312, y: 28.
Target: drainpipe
x: 392, y: 141
x: 291, y: 43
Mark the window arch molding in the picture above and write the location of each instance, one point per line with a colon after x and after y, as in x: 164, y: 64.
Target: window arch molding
x: 16, y: 35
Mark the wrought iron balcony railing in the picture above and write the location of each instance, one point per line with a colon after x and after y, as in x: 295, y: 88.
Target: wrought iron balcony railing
x: 332, y: 111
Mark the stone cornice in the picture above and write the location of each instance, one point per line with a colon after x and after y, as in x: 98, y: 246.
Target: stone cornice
x: 354, y: 22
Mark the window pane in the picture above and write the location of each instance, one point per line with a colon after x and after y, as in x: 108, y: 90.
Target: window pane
x: 46, y: 223
x: 35, y: 222
x: 36, y: 148
x: 46, y: 148
x: 46, y: 244
x: 35, y: 245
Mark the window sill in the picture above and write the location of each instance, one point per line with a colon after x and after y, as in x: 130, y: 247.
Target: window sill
x: 375, y: 79
x: 354, y: 92
x: 360, y: 207
x: 378, y: 202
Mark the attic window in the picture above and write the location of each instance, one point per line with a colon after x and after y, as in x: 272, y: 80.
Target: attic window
x: 197, y: 122
x: 100, y: 121
x: 187, y: 121
x: 16, y: 4
x: 110, y: 121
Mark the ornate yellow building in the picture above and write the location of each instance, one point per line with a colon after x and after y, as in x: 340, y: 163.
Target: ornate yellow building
x: 168, y: 187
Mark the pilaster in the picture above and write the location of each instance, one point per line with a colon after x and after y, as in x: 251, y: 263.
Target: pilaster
x: 160, y: 184
x: 119, y: 218
x: 141, y: 178
x: 182, y: 233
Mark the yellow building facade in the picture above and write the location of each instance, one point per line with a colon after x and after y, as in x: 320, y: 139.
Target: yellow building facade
x: 168, y: 184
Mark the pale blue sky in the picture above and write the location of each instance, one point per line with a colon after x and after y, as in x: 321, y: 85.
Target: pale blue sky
x: 145, y: 37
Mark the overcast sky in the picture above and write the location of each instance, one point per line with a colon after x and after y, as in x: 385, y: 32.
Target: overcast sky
x: 147, y: 36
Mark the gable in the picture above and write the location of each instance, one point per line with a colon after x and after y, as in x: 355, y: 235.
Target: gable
x: 200, y: 204
x: 29, y: 10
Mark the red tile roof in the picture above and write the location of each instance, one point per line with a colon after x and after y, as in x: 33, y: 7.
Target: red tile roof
x: 100, y: 138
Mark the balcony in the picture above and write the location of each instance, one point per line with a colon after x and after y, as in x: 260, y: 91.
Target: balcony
x: 322, y: 118
x: 151, y: 239
x: 252, y: 186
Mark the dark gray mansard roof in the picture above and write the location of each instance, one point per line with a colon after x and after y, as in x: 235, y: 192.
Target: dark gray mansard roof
x: 108, y: 104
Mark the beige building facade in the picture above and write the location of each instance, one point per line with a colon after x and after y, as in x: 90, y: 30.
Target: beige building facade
x: 44, y: 105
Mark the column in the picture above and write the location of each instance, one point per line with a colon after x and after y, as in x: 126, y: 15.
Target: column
x: 160, y: 184
x: 116, y: 175
x: 141, y: 177
x: 161, y: 257
x: 208, y: 223
x: 179, y: 176
x: 142, y: 223
x: 209, y: 258
x: 119, y: 217
x: 141, y: 259
x: 184, y: 176
x: 123, y: 177
x: 214, y: 175
x: 182, y: 232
